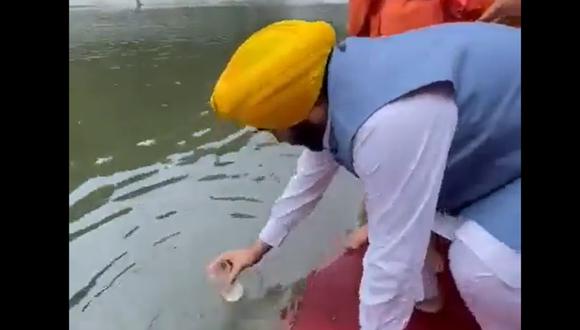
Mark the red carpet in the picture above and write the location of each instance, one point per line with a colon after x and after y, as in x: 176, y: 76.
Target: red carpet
x: 330, y: 301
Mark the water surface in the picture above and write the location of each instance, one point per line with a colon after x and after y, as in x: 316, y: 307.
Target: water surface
x: 159, y: 186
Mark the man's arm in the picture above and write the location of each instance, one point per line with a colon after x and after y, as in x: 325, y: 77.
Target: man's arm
x: 314, y: 173
x: 400, y: 155
x: 502, y: 9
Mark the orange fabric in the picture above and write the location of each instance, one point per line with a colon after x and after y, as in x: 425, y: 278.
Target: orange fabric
x: 376, y: 18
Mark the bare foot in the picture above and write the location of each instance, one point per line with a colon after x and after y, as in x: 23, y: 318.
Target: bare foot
x: 357, y: 238
x: 430, y: 305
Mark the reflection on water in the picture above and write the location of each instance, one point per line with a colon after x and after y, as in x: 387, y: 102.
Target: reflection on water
x: 139, y: 82
x: 158, y: 186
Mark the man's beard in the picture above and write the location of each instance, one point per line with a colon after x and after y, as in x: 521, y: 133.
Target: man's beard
x: 308, y: 134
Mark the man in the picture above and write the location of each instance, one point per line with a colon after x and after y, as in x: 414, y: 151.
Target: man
x: 383, y: 18
x: 427, y: 120
x: 380, y: 18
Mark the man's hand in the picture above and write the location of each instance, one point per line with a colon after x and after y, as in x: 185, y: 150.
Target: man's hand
x: 502, y: 9
x: 239, y: 260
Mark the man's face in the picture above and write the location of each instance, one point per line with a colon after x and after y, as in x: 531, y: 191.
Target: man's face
x: 306, y: 133
x: 309, y: 132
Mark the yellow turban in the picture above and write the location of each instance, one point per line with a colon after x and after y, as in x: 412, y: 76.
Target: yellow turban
x: 274, y: 78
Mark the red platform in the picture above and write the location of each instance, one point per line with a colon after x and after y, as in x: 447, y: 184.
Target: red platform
x: 330, y: 301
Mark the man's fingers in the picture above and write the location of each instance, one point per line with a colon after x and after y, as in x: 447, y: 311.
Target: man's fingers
x: 491, y: 13
x: 211, y: 266
x: 235, y: 271
x: 231, y: 263
x: 215, y: 264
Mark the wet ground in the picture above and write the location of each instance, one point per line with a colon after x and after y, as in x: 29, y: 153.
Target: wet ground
x: 158, y: 186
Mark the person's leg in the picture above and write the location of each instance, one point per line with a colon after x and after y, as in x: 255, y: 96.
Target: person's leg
x: 432, y: 301
x: 362, y: 215
x: 359, y: 236
x: 492, y: 293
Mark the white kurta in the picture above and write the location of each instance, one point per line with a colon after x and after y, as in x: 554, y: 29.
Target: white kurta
x: 400, y: 155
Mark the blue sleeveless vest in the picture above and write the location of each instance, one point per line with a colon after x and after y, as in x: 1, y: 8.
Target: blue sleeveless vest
x: 481, y: 61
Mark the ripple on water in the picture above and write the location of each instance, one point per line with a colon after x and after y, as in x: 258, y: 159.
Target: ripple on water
x: 237, y: 215
x: 146, y: 143
x: 214, y: 177
x: 152, y: 322
x: 135, y: 178
x: 83, y: 292
x: 165, y: 215
x: 259, y: 146
x: 163, y: 239
x: 130, y: 232
x: 90, y: 202
x: 201, y: 132
x: 149, y: 188
x: 219, y: 163
x: 227, y: 140
x: 101, y: 195
x: 259, y: 179
x: 108, y: 286
x: 105, y: 220
x: 235, y: 199
x: 102, y: 160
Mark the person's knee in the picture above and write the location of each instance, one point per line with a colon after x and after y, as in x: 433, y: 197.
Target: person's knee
x: 494, y: 303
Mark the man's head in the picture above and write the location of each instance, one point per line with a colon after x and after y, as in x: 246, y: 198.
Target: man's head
x: 274, y: 82
x: 309, y: 132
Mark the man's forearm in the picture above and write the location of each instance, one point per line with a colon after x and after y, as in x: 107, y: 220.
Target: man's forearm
x: 259, y: 249
x: 314, y: 173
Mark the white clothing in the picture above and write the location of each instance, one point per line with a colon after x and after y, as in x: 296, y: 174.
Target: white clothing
x: 495, y: 304
x: 400, y: 155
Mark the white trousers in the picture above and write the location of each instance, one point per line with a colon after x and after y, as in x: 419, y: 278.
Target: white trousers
x: 487, y: 274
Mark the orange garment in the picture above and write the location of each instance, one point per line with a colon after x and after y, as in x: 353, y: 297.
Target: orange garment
x: 376, y: 18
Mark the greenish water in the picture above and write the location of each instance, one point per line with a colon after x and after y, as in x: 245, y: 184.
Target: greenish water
x: 158, y: 186
x: 147, y: 75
